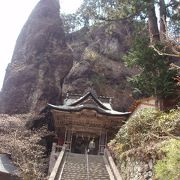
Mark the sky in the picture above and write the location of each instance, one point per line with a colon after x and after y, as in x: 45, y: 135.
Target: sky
x: 13, y: 15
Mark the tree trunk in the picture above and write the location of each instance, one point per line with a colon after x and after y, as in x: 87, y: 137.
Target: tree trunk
x: 162, y: 9
x: 152, y: 22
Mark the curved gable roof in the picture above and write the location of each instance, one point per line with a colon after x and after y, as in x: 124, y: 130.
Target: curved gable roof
x: 99, y: 107
x: 86, y: 96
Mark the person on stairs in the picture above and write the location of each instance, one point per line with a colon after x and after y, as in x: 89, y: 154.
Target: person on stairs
x: 91, y: 146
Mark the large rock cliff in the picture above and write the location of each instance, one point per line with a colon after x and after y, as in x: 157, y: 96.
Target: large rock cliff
x: 47, y: 63
x: 98, y: 63
x: 40, y: 62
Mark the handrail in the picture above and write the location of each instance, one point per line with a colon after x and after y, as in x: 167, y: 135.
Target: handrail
x: 63, y: 165
x: 113, y: 166
x: 58, y: 163
x: 87, y: 164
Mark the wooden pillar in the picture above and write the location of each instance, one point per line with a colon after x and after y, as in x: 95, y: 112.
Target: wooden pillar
x: 102, y: 141
x: 68, y: 139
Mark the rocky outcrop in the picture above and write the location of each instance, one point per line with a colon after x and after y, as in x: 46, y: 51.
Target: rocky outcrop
x: 44, y: 68
x: 98, y: 53
x: 40, y: 62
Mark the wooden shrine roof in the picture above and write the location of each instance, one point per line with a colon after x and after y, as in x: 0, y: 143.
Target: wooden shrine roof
x: 90, y: 102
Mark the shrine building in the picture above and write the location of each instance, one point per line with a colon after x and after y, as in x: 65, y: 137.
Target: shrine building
x: 83, y: 118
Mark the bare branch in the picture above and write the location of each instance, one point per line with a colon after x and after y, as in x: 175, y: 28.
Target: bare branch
x: 164, y: 53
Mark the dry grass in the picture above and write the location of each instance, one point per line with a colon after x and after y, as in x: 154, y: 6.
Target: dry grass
x: 23, y: 145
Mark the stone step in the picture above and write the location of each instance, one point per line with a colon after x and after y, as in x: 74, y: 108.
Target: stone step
x: 75, y: 168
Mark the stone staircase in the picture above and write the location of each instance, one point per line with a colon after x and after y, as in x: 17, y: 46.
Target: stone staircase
x: 75, y: 168
x: 97, y: 168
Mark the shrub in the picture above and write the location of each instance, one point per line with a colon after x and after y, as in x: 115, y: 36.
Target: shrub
x: 148, y: 125
x: 169, y: 167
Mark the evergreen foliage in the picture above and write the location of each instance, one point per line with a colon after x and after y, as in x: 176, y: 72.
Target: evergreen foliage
x: 155, y: 77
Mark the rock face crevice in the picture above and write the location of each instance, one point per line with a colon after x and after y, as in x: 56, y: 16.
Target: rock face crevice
x: 40, y: 61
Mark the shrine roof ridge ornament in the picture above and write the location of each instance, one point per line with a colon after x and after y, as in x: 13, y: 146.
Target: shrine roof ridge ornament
x: 79, y: 95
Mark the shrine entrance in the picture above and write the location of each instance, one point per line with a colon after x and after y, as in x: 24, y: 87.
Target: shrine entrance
x: 78, y: 142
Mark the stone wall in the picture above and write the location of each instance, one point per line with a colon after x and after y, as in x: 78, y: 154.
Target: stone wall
x: 132, y: 168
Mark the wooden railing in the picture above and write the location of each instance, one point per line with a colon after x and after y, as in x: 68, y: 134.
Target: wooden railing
x: 112, y: 165
x: 58, y: 165
x: 87, y: 164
